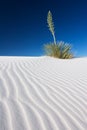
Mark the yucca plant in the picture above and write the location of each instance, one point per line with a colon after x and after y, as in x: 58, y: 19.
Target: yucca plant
x: 59, y: 50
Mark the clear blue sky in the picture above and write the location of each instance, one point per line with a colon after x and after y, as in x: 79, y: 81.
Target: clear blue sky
x: 23, y: 25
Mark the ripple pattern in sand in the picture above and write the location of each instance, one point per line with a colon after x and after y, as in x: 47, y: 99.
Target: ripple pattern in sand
x: 43, y: 93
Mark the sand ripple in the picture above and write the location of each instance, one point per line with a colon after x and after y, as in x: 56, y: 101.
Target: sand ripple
x: 43, y: 93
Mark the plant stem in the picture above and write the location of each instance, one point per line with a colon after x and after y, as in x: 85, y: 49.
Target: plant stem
x: 54, y: 39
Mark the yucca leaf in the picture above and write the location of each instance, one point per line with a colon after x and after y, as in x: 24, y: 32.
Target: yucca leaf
x: 59, y: 50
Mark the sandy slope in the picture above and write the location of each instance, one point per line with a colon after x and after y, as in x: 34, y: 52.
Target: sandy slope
x: 43, y: 93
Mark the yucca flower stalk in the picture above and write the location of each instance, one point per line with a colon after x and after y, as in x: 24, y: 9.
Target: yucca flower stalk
x: 51, y: 25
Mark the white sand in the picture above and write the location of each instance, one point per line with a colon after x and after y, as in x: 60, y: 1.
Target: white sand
x: 43, y: 93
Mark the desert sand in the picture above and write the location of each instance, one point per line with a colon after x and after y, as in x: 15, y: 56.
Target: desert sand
x: 43, y: 93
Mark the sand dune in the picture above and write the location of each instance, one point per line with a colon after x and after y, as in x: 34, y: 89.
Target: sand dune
x: 43, y: 93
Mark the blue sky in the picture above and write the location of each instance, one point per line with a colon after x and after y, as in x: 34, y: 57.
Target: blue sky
x: 23, y: 26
